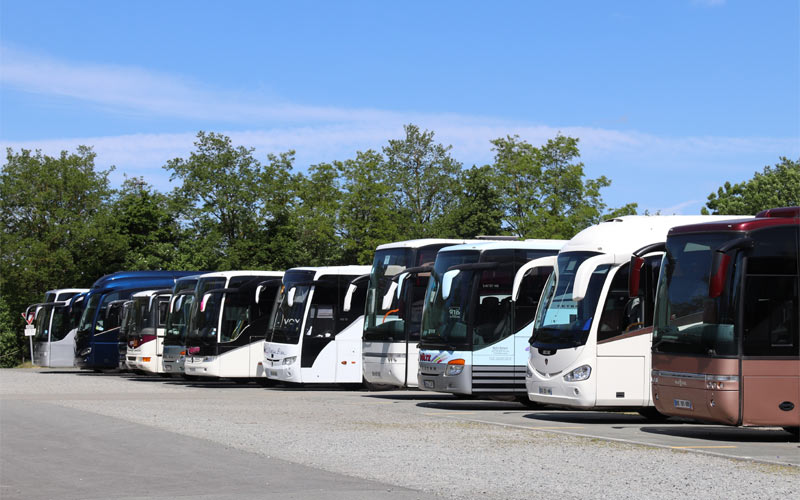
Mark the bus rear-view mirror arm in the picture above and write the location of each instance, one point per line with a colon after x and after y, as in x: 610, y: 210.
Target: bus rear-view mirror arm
x: 584, y: 274
x: 721, y: 261
x: 527, y: 269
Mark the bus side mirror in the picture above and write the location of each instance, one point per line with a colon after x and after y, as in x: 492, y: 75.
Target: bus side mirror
x: 290, y: 296
x: 719, y: 271
x: 584, y: 274
x: 634, y: 276
x: 387, y: 299
x: 447, y: 282
x: 204, y: 302
x: 721, y: 261
x: 400, y: 280
x: 348, y: 298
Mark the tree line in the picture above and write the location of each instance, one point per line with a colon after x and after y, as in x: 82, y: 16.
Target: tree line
x: 63, y: 225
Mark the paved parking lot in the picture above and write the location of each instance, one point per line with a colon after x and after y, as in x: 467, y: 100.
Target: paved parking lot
x: 84, y: 435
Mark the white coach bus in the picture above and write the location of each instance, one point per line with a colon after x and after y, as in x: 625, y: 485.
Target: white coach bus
x: 474, y: 336
x: 393, y: 313
x: 56, y: 321
x: 591, y: 339
x: 228, y: 322
x: 313, y: 337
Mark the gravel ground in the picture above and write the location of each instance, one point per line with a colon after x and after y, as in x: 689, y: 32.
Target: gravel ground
x: 398, y: 442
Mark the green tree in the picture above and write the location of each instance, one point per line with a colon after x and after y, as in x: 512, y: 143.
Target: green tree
x: 368, y: 215
x: 478, y: 207
x: 145, y: 219
x: 57, y: 230
x: 543, y: 189
x: 423, y: 176
x: 777, y: 186
x: 316, y: 216
x: 228, y: 201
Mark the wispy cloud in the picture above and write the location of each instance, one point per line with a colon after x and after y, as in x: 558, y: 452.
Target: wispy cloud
x: 653, y: 170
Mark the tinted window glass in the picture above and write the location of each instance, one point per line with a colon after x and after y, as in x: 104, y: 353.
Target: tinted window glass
x: 770, y: 315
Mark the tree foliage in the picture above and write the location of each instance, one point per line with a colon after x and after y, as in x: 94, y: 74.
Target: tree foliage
x: 543, y: 191
x: 423, y: 177
x: 57, y: 227
x: 777, y: 186
x: 63, y: 225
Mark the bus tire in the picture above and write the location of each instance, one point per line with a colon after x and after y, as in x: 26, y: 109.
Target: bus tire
x: 650, y: 413
x: 371, y: 386
x: 527, y: 403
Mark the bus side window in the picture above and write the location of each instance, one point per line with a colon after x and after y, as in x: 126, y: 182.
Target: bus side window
x: 770, y: 316
x: 620, y: 312
x: 529, y: 293
x: 163, y: 309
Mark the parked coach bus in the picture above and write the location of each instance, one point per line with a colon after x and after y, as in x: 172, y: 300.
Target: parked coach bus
x: 146, y: 330
x: 228, y: 324
x: 725, y: 346
x: 56, y: 322
x: 96, y: 343
x: 474, y: 337
x: 180, y: 308
x: 312, y: 337
x: 392, y: 315
x: 590, y: 346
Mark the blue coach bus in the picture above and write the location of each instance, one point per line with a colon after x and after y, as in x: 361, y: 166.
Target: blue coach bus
x: 96, y: 339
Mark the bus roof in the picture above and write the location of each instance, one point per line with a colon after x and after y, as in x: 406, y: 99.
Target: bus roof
x: 59, y: 291
x: 508, y: 245
x: 431, y: 241
x: 624, y: 235
x: 332, y: 270
x: 766, y: 218
x: 235, y: 274
x: 111, y: 280
x: 149, y: 293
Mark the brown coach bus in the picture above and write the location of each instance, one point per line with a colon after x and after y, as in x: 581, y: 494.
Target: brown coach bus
x: 725, y: 342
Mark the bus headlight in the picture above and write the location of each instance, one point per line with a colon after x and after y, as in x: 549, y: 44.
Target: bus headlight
x: 454, y: 367
x: 578, y: 374
x: 289, y: 360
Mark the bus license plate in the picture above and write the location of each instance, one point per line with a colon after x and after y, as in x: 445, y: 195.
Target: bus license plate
x: 683, y: 404
x: 428, y: 384
x: 273, y: 373
x: 547, y: 391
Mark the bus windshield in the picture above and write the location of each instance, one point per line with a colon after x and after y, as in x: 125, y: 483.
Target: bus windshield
x: 444, y: 321
x: 687, y: 320
x: 560, y: 321
x: 204, y: 316
x: 178, y: 319
x: 62, y: 323
x: 143, y: 319
x: 286, y: 320
x: 88, y: 314
x: 42, y: 323
x: 379, y: 323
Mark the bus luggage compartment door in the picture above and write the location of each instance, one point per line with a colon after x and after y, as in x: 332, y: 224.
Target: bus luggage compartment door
x: 620, y: 381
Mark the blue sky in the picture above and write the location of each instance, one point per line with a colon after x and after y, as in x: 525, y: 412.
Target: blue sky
x: 670, y: 99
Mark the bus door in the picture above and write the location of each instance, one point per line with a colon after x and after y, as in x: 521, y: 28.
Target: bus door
x: 770, y: 373
x: 349, y: 331
x: 624, y: 336
x: 527, y: 300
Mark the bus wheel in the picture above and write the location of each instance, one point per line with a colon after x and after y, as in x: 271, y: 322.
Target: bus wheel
x: 527, y: 403
x: 794, y: 431
x: 650, y: 413
x: 371, y: 386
